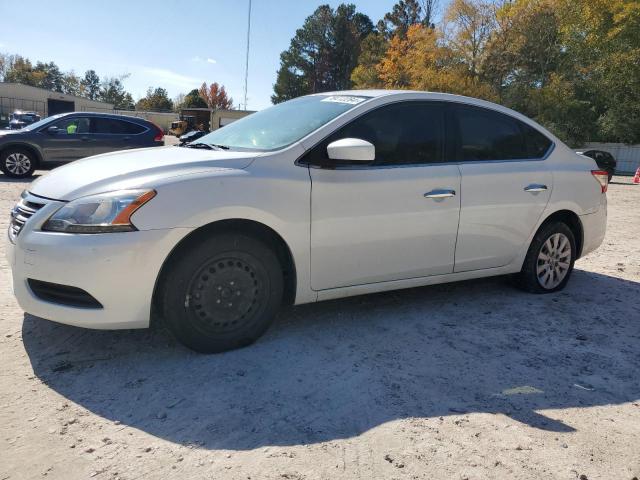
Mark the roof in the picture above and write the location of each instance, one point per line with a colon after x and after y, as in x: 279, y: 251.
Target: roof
x: 420, y: 94
x: 107, y: 115
x: 445, y: 97
x: 59, y: 94
x: 385, y: 93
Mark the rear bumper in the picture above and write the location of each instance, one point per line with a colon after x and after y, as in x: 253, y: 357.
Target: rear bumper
x: 594, y: 227
x: 118, y: 269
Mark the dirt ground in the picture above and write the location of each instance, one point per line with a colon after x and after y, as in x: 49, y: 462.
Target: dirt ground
x: 474, y: 380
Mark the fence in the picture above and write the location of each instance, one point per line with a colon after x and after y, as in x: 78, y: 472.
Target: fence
x: 627, y: 156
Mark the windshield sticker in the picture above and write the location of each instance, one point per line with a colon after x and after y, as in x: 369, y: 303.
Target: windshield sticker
x: 344, y: 99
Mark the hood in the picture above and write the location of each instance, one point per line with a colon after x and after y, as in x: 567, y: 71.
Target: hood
x: 7, y: 132
x: 142, y: 167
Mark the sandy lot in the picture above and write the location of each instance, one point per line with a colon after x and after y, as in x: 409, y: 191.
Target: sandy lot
x: 474, y: 380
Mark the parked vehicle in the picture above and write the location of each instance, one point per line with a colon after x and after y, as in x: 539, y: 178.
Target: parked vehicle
x: 182, y: 126
x: 71, y: 136
x: 605, y: 160
x: 191, y: 136
x: 20, y: 119
x: 321, y: 197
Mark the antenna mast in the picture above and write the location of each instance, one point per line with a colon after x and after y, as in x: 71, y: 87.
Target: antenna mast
x: 246, y: 65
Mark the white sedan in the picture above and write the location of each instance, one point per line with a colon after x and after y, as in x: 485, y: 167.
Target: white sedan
x: 321, y: 197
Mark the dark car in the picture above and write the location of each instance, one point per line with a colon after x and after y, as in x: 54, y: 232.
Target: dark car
x: 604, y: 160
x: 21, y: 119
x: 191, y: 136
x: 70, y: 136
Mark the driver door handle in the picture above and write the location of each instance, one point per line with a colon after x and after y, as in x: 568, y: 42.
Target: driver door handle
x: 440, y: 193
x: 535, y: 187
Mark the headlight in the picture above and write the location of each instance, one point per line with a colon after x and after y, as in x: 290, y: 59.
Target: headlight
x: 103, y: 213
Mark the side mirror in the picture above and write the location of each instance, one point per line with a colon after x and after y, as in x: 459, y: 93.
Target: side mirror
x: 53, y: 130
x: 352, y: 149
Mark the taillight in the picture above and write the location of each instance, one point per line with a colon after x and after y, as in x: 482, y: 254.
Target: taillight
x: 603, y: 179
x: 159, y: 133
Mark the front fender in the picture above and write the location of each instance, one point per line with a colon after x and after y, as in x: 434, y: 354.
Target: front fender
x: 279, y: 200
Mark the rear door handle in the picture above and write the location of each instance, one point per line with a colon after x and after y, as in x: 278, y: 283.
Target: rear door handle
x: 440, y: 193
x: 535, y: 187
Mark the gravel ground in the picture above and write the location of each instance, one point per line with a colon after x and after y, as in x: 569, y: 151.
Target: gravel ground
x: 474, y: 380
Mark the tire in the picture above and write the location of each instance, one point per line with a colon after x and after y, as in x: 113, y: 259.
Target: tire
x: 550, y: 274
x: 18, y: 163
x: 222, y: 293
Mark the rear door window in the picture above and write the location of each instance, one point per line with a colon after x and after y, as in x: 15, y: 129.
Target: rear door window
x: 116, y: 127
x: 484, y: 135
x: 537, y: 144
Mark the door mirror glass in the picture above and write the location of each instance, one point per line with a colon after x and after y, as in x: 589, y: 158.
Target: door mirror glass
x: 351, y: 149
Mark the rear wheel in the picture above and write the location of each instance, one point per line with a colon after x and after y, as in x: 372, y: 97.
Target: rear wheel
x: 17, y: 163
x: 549, y: 261
x: 223, y: 293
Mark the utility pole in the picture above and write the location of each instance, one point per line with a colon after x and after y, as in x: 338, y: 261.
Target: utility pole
x: 246, y: 65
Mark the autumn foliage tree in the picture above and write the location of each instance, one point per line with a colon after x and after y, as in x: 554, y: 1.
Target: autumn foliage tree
x: 573, y: 65
x: 421, y: 61
x: 215, y: 96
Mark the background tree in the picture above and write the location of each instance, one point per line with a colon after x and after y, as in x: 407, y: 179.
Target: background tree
x: 366, y: 74
x: 601, y: 59
x: 194, y: 100
x: 5, y: 62
x: 71, y: 84
x: 112, y: 91
x: 21, y: 70
x: 323, y: 53
x: 215, y: 96
x: 178, y: 102
x: 406, y: 13
x: 91, y: 85
x: 51, y: 77
x: 468, y: 27
x: 156, y: 100
x: 422, y: 61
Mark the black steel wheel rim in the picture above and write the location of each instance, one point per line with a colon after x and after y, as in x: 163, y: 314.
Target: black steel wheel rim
x: 223, y: 296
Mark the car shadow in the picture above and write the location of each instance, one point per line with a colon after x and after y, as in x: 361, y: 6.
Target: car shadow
x: 618, y: 182
x: 337, y: 369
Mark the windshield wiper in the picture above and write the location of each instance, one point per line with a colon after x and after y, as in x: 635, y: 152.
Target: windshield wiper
x: 201, y: 145
x: 208, y: 146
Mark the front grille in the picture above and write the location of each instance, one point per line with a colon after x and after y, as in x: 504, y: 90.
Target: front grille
x: 62, y: 294
x: 22, y: 212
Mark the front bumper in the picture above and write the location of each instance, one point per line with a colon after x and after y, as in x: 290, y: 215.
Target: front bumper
x: 118, y: 269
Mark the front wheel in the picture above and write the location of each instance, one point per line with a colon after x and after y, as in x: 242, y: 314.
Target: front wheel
x: 222, y: 293
x: 17, y: 163
x: 549, y: 261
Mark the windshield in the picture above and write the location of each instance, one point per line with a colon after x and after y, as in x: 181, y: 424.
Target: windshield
x: 43, y: 122
x: 283, y: 124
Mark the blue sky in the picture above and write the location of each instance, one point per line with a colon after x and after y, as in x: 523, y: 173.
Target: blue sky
x: 175, y: 45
